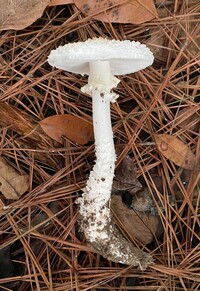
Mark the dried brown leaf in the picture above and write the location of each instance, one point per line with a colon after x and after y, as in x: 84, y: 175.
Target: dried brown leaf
x: 126, y: 177
x: 20, y: 121
x: 139, y: 225
x: 12, y: 184
x: 31, y: 135
x: 176, y: 151
x: 18, y: 14
x: 118, y: 11
x: 66, y: 125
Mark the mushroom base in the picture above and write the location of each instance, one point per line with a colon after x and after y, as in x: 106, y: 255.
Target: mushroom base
x: 107, y: 239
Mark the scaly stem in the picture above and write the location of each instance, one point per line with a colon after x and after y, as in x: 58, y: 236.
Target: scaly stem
x: 99, y: 185
x: 95, y: 216
x: 98, y: 189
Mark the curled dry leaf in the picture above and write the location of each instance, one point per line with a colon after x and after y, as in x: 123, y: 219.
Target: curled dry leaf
x: 126, y: 177
x: 12, y: 184
x: 139, y: 225
x: 18, y: 14
x: 66, y: 125
x: 176, y: 151
x: 118, y: 11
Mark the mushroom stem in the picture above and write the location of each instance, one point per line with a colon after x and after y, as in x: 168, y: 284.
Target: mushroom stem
x: 95, y: 202
x: 100, y: 82
x: 101, y: 177
x: 100, y: 76
x: 95, y: 215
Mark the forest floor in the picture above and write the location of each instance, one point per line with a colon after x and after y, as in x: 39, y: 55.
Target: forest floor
x: 157, y: 135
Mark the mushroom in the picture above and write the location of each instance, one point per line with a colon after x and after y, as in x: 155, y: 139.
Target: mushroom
x: 101, y: 59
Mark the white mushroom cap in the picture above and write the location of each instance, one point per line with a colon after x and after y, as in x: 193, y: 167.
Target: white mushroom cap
x: 124, y: 56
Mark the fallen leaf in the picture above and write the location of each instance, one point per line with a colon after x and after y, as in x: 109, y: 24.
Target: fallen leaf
x: 12, y: 184
x: 30, y: 134
x: 131, y: 11
x: 21, y: 122
x: 176, y: 151
x: 66, y: 125
x: 126, y: 177
x: 18, y: 14
x: 139, y: 225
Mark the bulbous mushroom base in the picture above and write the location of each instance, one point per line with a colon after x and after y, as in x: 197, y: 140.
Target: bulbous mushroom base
x: 104, y: 237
